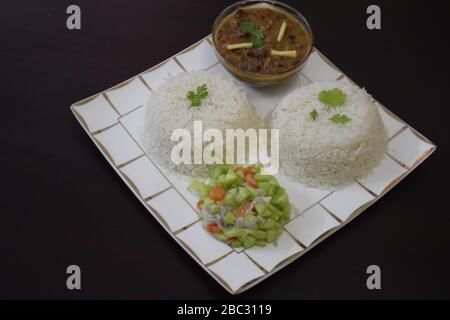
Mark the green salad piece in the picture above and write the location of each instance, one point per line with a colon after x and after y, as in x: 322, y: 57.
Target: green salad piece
x: 250, y: 27
x: 196, y: 98
x: 242, y: 207
x: 332, y: 98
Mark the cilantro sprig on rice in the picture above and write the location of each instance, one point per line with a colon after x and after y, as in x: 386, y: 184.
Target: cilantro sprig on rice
x: 332, y: 99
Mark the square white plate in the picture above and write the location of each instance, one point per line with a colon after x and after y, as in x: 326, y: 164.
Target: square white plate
x: 118, y: 138
x: 97, y: 114
x: 342, y: 203
x: 118, y: 144
x: 129, y: 96
x: 145, y: 177
x: 236, y: 269
x: 309, y: 226
x: 160, y: 74
x: 273, y: 254
x: 407, y: 148
x: 205, y: 247
x: 383, y: 176
x: 175, y: 211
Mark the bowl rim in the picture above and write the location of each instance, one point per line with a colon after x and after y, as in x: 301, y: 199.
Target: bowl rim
x: 278, y: 5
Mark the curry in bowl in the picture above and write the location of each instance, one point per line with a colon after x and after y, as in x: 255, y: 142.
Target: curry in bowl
x: 262, y: 44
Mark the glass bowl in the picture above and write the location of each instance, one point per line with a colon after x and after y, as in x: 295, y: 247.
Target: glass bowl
x: 259, y: 78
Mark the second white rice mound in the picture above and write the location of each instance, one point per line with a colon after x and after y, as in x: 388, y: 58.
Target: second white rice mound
x: 225, y: 107
x: 322, y: 153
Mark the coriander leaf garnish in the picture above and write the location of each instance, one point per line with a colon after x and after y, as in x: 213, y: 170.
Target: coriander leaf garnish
x: 250, y: 27
x: 339, y: 118
x: 197, y: 97
x: 314, y: 115
x: 257, y: 42
x: 332, y: 98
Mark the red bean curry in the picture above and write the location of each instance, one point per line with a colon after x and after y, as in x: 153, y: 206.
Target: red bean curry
x: 262, y: 40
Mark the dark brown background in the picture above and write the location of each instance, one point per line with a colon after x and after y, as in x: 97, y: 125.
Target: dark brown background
x: 61, y: 203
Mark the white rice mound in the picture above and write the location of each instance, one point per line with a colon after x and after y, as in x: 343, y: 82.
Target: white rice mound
x: 324, y: 154
x: 225, y: 107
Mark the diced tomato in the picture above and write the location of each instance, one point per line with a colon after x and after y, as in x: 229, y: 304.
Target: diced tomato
x: 232, y: 239
x: 217, y: 193
x: 200, y: 204
x: 243, y: 208
x: 213, y: 228
x: 250, y: 180
x: 249, y: 169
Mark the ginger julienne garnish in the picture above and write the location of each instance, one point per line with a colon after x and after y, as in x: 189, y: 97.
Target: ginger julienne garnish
x: 239, y: 45
x: 286, y: 53
x: 282, y: 31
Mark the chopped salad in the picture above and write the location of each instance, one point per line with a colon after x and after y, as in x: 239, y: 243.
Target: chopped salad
x: 242, y: 207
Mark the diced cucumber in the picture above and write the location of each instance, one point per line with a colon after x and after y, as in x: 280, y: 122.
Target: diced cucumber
x: 262, y: 177
x: 250, y: 219
x: 266, y: 178
x: 220, y: 236
x: 259, y: 234
x: 240, y: 174
x: 229, y: 218
x: 260, y: 219
x: 268, y: 187
x: 275, y: 216
x: 266, y: 214
x: 221, y: 181
x: 234, y: 232
x: 249, y: 241
x: 260, y: 207
x: 274, y: 210
x: 231, y: 178
x: 236, y: 244
x: 253, y: 191
x: 243, y: 194
x: 257, y: 167
x: 198, y: 187
x: 287, y: 210
x: 280, y: 200
x: 270, y: 224
x: 283, y: 220
x: 273, y: 234
x: 274, y: 181
x: 220, y: 170
x: 230, y: 197
x: 260, y: 243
